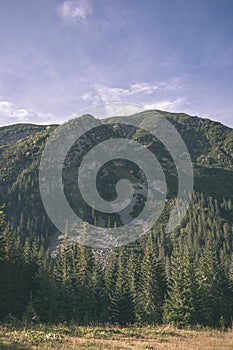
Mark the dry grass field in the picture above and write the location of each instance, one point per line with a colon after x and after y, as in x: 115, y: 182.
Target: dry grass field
x: 93, y: 338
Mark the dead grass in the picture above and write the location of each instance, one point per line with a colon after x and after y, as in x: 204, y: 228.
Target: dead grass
x: 93, y: 338
x: 181, y: 340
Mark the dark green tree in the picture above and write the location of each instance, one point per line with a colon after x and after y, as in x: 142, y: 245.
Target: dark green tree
x: 152, y: 284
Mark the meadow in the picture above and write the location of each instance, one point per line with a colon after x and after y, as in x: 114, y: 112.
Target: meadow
x: 116, y: 338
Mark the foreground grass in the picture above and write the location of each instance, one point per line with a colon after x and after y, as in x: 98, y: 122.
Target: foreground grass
x: 92, y: 338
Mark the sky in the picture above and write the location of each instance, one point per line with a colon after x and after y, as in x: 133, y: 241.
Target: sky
x: 60, y: 57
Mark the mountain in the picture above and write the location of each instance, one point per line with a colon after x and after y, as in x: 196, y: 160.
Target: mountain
x: 183, y: 277
x: 210, y: 145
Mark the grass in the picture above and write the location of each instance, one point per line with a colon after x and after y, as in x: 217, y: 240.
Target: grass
x: 91, y: 338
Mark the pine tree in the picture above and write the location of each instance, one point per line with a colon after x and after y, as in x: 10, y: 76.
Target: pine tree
x: 110, y: 281
x: 133, y: 274
x: 215, y: 288
x: 152, y: 284
x: 62, y: 273
x: 99, y: 312
x: 122, y: 299
x: 47, y: 294
x: 86, y: 268
x: 14, y: 288
x: 182, y: 300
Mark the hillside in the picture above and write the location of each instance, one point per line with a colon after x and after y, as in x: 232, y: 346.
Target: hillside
x: 210, y: 145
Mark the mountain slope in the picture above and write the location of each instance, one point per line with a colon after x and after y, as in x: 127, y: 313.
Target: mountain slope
x: 210, y: 145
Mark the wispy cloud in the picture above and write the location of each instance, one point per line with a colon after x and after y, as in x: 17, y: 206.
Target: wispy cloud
x: 75, y: 10
x: 114, y: 94
x: 106, y: 94
x: 168, y: 105
x: 9, y: 114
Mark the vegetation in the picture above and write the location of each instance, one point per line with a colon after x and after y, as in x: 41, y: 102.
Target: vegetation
x: 92, y: 338
x: 183, y: 279
x: 209, y: 143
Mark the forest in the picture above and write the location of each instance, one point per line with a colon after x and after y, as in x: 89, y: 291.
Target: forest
x: 184, y: 278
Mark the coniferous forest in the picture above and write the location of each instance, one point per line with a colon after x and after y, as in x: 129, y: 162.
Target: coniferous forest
x: 183, y: 279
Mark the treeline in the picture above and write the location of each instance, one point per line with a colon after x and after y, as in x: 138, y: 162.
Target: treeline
x: 184, y: 278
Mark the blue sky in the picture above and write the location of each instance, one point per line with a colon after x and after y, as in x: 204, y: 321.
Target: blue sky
x: 59, y: 57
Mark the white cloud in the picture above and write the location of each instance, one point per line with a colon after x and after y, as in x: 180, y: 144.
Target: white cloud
x: 106, y: 94
x: 166, y: 105
x: 9, y: 114
x: 75, y: 10
x: 110, y: 94
x: 101, y: 111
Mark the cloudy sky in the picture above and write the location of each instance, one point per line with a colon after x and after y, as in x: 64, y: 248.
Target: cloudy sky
x: 60, y: 57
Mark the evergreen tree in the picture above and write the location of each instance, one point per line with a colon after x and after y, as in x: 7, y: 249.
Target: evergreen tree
x: 215, y: 288
x: 152, y: 284
x: 122, y: 299
x: 182, y: 301
x: 133, y: 275
x: 99, y: 312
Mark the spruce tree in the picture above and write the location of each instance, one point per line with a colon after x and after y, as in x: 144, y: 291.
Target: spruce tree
x: 122, y: 307
x: 182, y: 299
x: 99, y: 312
x: 215, y: 288
x: 152, y: 284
